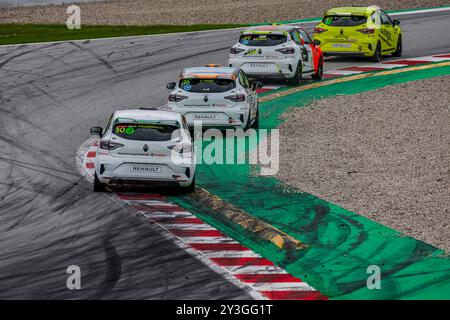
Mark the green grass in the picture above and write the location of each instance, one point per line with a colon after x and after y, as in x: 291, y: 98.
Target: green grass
x: 29, y: 33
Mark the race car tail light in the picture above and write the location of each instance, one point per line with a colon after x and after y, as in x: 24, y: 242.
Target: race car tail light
x: 109, y: 145
x: 320, y: 30
x: 184, y: 148
x: 286, y: 50
x: 236, y: 50
x: 236, y: 98
x: 176, y: 97
x: 367, y: 30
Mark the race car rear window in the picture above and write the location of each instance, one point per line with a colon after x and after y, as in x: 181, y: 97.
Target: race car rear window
x: 207, y: 85
x: 145, y: 131
x: 344, y: 21
x: 262, y: 40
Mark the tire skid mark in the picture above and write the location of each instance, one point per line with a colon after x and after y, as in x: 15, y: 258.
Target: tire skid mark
x: 211, y: 246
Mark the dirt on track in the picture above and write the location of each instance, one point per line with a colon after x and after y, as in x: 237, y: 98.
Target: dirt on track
x: 384, y: 154
x: 148, y: 12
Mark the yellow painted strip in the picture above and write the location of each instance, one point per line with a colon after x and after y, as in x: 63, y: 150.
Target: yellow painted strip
x: 350, y: 78
x: 260, y: 228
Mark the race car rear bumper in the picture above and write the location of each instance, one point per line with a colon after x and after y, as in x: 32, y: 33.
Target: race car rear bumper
x: 271, y: 69
x: 116, y: 170
x: 235, y: 117
x: 356, y: 48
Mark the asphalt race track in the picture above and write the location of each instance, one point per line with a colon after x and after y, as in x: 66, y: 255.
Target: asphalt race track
x: 50, y: 95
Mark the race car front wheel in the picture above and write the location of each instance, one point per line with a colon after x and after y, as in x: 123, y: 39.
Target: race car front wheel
x: 98, y: 186
x: 319, y: 72
x: 398, y: 51
x: 297, y: 78
x: 377, y: 54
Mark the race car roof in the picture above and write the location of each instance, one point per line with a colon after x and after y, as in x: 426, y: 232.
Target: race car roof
x: 276, y: 28
x: 146, y: 115
x: 210, y: 73
x: 351, y: 10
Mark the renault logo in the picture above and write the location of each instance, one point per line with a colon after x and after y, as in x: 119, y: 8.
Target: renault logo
x: 145, y: 148
x: 206, y: 99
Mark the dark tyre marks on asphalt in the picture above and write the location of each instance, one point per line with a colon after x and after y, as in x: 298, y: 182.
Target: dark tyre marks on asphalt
x: 49, y: 218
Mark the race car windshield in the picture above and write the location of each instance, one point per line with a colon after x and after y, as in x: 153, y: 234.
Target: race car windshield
x: 262, y: 40
x: 146, y: 131
x: 207, y: 85
x: 344, y: 21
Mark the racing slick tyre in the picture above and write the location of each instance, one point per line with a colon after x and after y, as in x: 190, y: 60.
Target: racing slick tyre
x: 399, y: 49
x: 188, y: 189
x: 297, y: 79
x: 248, y: 125
x: 377, y: 54
x: 98, y: 186
x: 319, y: 73
x: 255, y: 124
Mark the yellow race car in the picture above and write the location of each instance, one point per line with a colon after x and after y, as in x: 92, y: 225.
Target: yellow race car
x: 359, y: 31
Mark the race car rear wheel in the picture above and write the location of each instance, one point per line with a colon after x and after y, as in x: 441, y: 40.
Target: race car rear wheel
x: 377, y: 54
x: 319, y: 72
x: 297, y: 78
x: 98, y: 186
x: 188, y: 189
x: 399, y: 49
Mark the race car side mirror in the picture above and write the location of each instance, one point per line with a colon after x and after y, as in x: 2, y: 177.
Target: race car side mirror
x: 171, y: 85
x: 316, y: 42
x: 396, y: 22
x: 97, y: 131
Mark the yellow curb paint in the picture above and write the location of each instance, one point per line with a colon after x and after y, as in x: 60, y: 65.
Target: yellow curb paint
x: 260, y: 228
x: 278, y: 241
x: 351, y: 78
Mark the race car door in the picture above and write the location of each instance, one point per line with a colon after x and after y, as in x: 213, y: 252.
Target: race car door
x: 386, y: 33
x: 251, y: 94
x: 307, y: 54
x: 309, y: 45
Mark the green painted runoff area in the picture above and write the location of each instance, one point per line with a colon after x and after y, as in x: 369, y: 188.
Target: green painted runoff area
x: 341, y: 244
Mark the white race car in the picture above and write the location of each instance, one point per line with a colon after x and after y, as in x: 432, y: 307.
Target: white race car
x: 145, y: 146
x: 216, y: 96
x: 277, y: 51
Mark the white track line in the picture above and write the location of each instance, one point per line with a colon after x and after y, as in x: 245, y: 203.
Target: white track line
x: 429, y: 59
x: 254, y: 269
x: 179, y: 214
x: 342, y: 72
x: 230, y: 254
x: 208, y: 240
x: 282, y: 286
x: 420, y: 11
x: 187, y: 226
